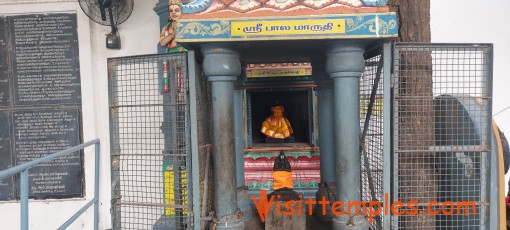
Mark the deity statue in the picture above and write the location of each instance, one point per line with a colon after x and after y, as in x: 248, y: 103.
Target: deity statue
x: 277, y: 126
x: 283, y: 187
x: 167, y: 35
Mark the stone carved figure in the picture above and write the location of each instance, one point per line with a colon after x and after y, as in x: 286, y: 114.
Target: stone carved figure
x: 167, y: 35
x: 277, y: 126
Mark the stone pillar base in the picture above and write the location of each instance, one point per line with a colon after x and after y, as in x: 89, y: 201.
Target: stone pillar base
x: 285, y: 217
x: 327, y: 191
x: 243, y: 202
x: 342, y: 222
x: 232, y: 222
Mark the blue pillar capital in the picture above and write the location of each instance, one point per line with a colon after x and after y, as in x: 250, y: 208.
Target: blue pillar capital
x: 345, y: 59
x: 221, y: 62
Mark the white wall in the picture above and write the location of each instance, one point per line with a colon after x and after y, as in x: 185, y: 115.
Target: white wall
x: 140, y: 35
x: 474, y: 21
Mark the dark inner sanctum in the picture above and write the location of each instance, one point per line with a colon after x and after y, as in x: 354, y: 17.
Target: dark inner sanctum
x: 297, y: 111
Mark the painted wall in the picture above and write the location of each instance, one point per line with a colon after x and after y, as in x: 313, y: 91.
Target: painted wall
x: 452, y: 21
x: 139, y: 34
x: 472, y: 21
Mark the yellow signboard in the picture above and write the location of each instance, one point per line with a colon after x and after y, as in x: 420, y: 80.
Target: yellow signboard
x: 184, y: 184
x: 287, y: 27
x: 168, y: 181
x: 277, y: 72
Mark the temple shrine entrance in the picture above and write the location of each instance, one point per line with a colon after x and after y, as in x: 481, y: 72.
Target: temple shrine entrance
x: 308, y: 96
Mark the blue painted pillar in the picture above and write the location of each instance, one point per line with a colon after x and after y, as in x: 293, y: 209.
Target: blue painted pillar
x: 326, y: 141
x: 243, y: 199
x: 345, y: 64
x: 222, y: 67
x: 326, y: 129
x: 239, y: 134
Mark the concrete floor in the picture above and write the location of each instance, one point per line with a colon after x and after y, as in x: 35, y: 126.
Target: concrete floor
x: 311, y: 223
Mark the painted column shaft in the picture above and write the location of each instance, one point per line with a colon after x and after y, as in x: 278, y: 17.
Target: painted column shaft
x: 238, y: 114
x: 326, y: 134
x: 348, y: 159
x: 225, y: 201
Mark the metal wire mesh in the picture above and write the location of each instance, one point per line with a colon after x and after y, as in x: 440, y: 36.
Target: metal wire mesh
x: 150, y: 156
x: 204, y: 147
x: 441, y: 116
x: 371, y: 121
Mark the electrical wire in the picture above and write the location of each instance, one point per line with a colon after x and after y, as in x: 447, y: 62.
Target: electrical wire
x: 501, y: 111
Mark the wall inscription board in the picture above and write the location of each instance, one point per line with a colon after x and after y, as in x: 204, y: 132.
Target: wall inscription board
x: 6, y: 184
x: 4, y: 79
x: 40, y: 103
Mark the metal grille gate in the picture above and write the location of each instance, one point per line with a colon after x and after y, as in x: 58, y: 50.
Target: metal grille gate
x: 371, y: 141
x: 153, y: 110
x: 441, y: 134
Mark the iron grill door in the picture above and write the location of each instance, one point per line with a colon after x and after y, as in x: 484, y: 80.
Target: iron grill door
x: 441, y: 135
x: 151, y: 141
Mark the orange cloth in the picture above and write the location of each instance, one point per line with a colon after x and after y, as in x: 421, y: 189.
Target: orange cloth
x: 277, y: 126
x: 282, y: 179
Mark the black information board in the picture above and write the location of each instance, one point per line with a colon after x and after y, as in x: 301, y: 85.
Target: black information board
x: 38, y: 133
x: 4, y: 65
x: 45, y: 47
x: 40, y: 103
x: 6, y: 189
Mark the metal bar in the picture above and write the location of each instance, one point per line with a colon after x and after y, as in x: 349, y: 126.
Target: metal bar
x: 153, y: 205
x: 24, y: 184
x: 410, y: 46
x: 114, y: 140
x: 96, y: 185
x: 442, y: 150
x: 386, y: 58
x: 462, y: 148
x: 428, y: 97
x: 22, y: 167
x: 149, y: 154
x: 373, y: 170
x: 195, y: 167
x: 394, y: 109
x: 146, y: 105
x: 24, y: 199
x: 493, y: 174
x: 78, y: 214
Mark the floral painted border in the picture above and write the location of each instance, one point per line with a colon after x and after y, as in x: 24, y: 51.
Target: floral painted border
x: 357, y: 26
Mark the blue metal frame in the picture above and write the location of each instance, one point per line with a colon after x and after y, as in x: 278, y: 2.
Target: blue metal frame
x: 387, y: 138
x: 195, y: 166
x: 24, y: 183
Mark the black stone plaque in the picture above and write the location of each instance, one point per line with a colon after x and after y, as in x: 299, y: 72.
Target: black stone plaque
x: 6, y: 189
x: 40, y: 103
x: 45, y: 59
x: 38, y: 133
x: 4, y: 67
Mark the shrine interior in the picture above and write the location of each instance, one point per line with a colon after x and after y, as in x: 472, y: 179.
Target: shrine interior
x: 297, y: 110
